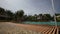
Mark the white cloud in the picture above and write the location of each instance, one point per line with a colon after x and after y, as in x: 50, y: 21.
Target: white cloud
x: 29, y: 6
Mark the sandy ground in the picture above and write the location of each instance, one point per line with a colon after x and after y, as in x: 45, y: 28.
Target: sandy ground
x: 13, y: 28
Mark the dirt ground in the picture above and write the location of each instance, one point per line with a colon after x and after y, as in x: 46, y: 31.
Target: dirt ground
x: 13, y: 28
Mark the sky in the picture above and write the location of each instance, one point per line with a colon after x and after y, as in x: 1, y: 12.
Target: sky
x: 31, y: 7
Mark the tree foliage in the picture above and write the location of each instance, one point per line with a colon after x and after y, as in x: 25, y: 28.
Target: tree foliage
x: 58, y: 18
x: 19, y: 13
x: 2, y: 11
x: 47, y: 16
x: 9, y: 13
x: 19, y: 16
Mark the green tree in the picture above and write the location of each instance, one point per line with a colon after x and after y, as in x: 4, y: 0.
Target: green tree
x: 9, y: 13
x: 57, y: 14
x: 35, y: 17
x: 47, y: 17
x: 40, y: 15
x: 58, y: 17
x: 2, y: 11
x: 29, y: 18
x: 19, y: 14
x: 25, y: 17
